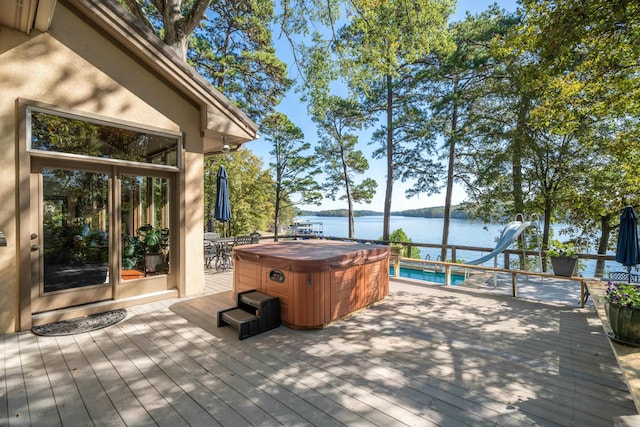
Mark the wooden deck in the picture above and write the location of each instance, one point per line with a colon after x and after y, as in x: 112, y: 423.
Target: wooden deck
x: 426, y: 355
x: 628, y: 357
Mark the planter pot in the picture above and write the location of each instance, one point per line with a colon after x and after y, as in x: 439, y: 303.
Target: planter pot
x: 153, y: 263
x: 564, y: 266
x: 397, y: 252
x: 625, y: 324
x: 131, y: 274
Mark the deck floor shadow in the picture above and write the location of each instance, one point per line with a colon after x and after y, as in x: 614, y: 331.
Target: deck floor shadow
x: 426, y: 355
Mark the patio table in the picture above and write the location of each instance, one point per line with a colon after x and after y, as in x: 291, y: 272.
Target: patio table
x: 218, y: 252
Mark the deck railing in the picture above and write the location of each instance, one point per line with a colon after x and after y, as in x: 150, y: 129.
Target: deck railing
x: 449, y: 267
x: 507, y: 255
x: 454, y: 250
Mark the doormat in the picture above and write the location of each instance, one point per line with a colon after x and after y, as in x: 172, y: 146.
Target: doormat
x: 80, y: 325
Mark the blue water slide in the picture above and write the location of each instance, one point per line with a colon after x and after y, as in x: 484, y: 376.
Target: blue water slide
x: 509, y: 235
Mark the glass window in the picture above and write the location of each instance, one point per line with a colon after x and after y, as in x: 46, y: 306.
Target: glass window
x: 76, y: 229
x: 53, y: 133
x: 145, y: 226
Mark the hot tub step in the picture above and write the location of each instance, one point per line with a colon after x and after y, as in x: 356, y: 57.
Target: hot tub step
x: 246, y: 323
x: 236, y: 317
x: 256, y: 312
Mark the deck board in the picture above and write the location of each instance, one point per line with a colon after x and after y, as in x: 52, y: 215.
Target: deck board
x: 17, y: 404
x: 426, y: 355
x: 117, y: 390
x: 4, y: 402
x: 68, y: 400
x: 154, y: 403
x: 39, y: 393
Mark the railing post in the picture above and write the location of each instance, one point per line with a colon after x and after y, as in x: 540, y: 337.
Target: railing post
x: 447, y: 275
x: 513, y: 284
x: 453, y: 254
x: 396, y: 266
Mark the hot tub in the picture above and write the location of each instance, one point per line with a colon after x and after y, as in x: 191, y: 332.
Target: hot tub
x: 317, y: 281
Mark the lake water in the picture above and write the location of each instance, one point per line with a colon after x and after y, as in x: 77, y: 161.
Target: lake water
x: 429, y: 230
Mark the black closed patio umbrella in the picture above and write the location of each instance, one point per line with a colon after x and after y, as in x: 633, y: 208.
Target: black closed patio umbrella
x: 628, y: 250
x: 222, y: 211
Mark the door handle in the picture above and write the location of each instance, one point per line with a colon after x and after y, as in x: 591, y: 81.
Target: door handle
x: 35, y: 248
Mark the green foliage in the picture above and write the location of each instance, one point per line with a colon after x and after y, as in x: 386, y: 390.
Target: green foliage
x: 294, y: 168
x: 562, y: 249
x: 384, y: 36
x: 591, y: 51
x: 150, y: 237
x: 341, y: 160
x: 149, y: 240
x: 250, y: 193
x: 397, y: 237
x: 234, y: 51
x: 575, y: 76
x: 625, y: 295
x: 228, y: 42
x: 378, y: 43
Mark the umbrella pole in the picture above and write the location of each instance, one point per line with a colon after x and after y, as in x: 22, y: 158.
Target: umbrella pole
x: 629, y: 274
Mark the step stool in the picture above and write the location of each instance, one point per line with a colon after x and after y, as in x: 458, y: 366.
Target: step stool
x: 255, y: 313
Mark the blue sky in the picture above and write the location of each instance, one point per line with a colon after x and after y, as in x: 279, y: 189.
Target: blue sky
x: 296, y: 111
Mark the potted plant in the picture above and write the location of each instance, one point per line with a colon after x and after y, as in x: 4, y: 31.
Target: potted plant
x: 396, y: 249
x: 564, y: 258
x: 622, y: 305
x: 145, y: 251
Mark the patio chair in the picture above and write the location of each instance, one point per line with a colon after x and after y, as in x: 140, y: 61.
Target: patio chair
x: 242, y: 240
x: 623, y: 276
x: 211, y: 235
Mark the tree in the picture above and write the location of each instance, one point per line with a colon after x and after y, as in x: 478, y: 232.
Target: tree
x: 234, y: 51
x: 229, y: 43
x: 341, y: 160
x: 172, y: 20
x: 454, y: 84
x: 581, y: 73
x: 250, y: 191
x: 378, y: 45
x: 294, y: 170
x: 611, y: 183
x: 591, y: 50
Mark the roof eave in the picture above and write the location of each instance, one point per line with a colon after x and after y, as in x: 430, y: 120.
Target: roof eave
x: 219, y: 116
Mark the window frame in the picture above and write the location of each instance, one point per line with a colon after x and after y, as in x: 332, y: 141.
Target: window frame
x: 102, y: 121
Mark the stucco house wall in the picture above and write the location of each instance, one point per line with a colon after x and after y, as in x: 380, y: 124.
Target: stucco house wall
x: 79, y: 67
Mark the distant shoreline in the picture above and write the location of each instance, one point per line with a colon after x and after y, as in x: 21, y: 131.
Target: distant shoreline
x: 432, y: 212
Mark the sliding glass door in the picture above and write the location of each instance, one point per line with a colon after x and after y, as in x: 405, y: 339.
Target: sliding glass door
x: 99, y: 209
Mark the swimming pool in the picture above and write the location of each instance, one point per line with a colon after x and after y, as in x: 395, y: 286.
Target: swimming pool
x: 426, y: 275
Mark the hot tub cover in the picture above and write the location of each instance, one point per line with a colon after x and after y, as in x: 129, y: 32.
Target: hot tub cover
x: 311, y: 255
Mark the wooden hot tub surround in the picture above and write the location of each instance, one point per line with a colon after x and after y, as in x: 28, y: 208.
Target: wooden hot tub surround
x: 317, y: 281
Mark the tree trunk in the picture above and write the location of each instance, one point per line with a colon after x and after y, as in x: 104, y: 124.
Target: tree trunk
x: 546, y: 229
x: 517, y: 150
x: 605, y: 232
x: 276, y: 215
x: 449, y: 193
x: 347, y: 184
x: 389, y: 192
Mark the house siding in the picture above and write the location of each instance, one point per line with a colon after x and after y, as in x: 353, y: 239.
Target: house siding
x: 74, y: 66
